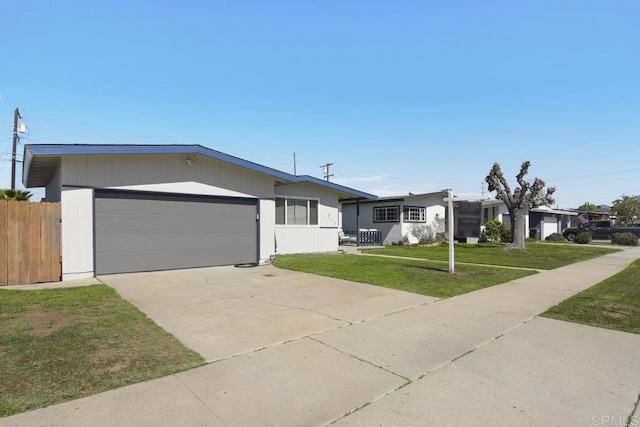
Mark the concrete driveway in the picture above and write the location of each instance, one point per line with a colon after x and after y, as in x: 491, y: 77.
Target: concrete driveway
x: 225, y: 311
x: 293, y: 349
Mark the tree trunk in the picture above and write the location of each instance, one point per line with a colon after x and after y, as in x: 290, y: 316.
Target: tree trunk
x: 518, y: 222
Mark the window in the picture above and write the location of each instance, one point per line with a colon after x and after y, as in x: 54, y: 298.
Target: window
x: 296, y: 211
x: 386, y: 214
x: 414, y: 214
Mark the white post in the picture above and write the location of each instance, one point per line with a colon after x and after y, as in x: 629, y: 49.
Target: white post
x: 451, y: 253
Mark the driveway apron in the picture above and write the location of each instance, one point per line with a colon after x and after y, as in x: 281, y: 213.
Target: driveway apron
x: 225, y: 311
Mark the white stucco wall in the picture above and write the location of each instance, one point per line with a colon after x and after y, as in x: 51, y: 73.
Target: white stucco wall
x: 430, y: 216
x: 298, y: 239
x: 188, y: 187
x: 322, y: 237
x: 77, y: 234
x: 550, y: 224
x: 267, y: 228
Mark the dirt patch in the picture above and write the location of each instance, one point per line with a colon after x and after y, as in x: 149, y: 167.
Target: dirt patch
x: 42, y: 323
x: 110, y: 359
x: 619, y: 311
x: 614, y: 314
x: 117, y: 367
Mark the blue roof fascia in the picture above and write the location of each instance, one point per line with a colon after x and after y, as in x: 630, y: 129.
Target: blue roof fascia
x: 87, y: 149
x: 337, y: 187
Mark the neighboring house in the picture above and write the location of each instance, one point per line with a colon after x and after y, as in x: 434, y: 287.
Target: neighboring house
x: 544, y: 221
x: 541, y: 222
x: 494, y: 209
x: 601, y: 213
x: 395, y: 217
x: 128, y: 208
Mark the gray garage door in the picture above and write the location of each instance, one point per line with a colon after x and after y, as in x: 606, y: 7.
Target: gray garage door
x: 142, y: 231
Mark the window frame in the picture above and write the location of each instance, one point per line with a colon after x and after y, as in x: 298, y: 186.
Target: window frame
x: 422, y: 213
x: 386, y: 216
x: 309, y: 215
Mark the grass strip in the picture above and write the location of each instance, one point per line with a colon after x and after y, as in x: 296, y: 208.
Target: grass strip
x: 613, y: 303
x: 61, y: 344
x: 421, y: 277
x: 541, y: 256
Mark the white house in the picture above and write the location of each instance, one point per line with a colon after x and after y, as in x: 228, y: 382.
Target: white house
x: 394, y: 217
x: 129, y: 208
x: 541, y: 222
x: 544, y: 221
x: 496, y: 210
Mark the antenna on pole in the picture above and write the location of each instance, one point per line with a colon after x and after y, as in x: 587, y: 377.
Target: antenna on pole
x: 325, y: 170
x: 16, y: 138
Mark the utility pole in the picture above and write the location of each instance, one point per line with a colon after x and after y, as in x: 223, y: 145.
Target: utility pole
x: 294, y: 164
x: 325, y: 169
x: 482, y: 187
x: 16, y: 138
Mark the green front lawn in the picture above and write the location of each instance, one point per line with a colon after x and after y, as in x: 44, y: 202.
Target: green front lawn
x: 535, y: 255
x: 421, y: 277
x: 612, y: 304
x: 61, y: 344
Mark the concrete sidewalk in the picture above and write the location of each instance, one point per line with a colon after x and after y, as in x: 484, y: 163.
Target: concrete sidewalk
x: 479, y: 358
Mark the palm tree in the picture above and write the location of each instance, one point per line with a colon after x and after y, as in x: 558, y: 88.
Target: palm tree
x: 15, y: 195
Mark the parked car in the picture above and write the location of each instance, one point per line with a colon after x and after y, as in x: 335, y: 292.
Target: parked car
x: 599, y: 230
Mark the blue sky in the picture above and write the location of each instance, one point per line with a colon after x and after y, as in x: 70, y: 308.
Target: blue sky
x: 408, y: 96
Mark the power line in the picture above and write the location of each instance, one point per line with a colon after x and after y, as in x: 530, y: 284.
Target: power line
x: 63, y: 125
x: 593, y: 175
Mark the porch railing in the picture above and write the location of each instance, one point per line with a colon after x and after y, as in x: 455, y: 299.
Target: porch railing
x: 366, y: 237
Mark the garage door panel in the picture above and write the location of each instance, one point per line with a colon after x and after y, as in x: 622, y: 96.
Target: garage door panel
x: 191, y: 258
x: 134, y: 233
x: 175, y: 224
x: 175, y: 242
x: 168, y: 208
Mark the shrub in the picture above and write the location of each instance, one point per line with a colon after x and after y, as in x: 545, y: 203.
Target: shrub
x: 16, y: 195
x: 627, y: 239
x: 424, y: 233
x: 404, y: 241
x: 495, y: 231
x: 505, y: 236
x: 555, y: 237
x: 438, y: 225
x: 583, y: 238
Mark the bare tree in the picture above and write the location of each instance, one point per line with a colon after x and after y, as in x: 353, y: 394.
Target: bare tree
x: 526, y: 196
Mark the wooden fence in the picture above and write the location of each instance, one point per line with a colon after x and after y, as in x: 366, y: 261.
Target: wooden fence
x: 29, y: 242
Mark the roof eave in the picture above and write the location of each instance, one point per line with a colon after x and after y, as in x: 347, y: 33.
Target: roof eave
x: 340, y: 188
